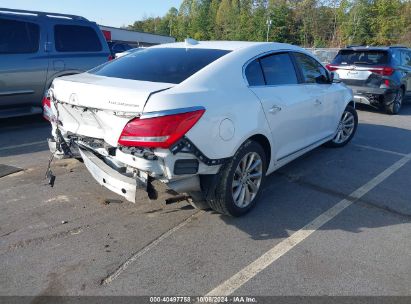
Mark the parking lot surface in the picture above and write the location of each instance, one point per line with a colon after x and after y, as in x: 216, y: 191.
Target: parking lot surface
x: 334, y: 222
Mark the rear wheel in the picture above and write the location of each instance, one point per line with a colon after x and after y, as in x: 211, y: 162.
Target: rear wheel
x: 240, y: 181
x: 346, y: 128
x: 395, y: 106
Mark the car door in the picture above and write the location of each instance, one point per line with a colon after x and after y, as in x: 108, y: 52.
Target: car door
x: 323, y: 97
x: 76, y: 48
x: 23, y: 62
x: 274, y: 80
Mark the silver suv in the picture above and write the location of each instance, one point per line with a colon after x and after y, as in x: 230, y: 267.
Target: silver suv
x: 35, y: 48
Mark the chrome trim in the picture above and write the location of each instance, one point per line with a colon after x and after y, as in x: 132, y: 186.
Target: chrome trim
x: 170, y: 112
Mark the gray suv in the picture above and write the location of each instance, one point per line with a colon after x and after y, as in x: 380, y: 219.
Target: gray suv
x: 378, y: 76
x: 35, y: 48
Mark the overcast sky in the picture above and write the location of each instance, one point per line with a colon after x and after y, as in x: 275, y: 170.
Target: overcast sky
x: 112, y: 13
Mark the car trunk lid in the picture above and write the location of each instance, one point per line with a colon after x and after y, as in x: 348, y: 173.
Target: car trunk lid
x: 99, y: 107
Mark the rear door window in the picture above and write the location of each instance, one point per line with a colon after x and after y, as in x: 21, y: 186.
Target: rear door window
x: 362, y: 57
x: 75, y: 38
x: 254, y: 73
x: 168, y: 65
x: 312, y: 70
x: 18, y: 37
x: 278, y: 69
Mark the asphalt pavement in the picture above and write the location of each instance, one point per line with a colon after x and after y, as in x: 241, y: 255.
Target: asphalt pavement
x: 333, y: 222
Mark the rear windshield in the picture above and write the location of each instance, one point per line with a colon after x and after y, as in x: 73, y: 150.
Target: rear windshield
x: 170, y: 65
x: 361, y: 57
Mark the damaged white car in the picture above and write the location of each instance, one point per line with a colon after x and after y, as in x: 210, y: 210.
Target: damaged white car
x: 210, y: 119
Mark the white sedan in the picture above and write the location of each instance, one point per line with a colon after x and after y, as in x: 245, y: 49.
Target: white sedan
x: 210, y: 119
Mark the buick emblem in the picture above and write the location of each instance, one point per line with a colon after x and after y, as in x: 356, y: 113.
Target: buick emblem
x: 73, y: 99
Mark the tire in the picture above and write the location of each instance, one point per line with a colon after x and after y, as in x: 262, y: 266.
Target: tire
x: 395, y: 107
x: 252, y: 155
x: 349, y: 119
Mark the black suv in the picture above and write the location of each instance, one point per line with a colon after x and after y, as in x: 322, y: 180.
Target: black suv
x: 378, y: 76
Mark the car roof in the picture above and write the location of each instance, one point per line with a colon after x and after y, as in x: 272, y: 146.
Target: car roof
x: 227, y: 45
x: 26, y: 14
x: 372, y: 48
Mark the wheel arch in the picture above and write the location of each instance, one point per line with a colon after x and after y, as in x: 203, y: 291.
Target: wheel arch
x: 265, y: 143
x: 403, y: 88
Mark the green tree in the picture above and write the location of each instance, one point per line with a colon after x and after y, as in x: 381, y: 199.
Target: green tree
x: 387, y: 23
x: 318, y: 23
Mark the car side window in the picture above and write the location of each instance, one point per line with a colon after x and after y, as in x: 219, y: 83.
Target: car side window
x: 254, y: 74
x: 406, y: 58
x: 396, y: 57
x: 278, y: 69
x: 312, y: 70
x: 76, y: 38
x: 18, y: 37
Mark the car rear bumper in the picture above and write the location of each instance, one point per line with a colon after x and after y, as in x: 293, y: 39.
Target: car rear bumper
x: 126, y: 174
x: 111, y: 178
x: 373, y: 96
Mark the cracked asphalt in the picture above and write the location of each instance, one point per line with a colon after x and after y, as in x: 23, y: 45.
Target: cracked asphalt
x: 80, y: 239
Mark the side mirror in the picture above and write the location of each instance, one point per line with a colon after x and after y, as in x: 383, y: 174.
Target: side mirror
x: 334, y: 77
x: 321, y: 79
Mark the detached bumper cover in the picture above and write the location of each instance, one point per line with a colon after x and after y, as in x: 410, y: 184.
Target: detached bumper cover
x: 373, y: 96
x: 110, y: 178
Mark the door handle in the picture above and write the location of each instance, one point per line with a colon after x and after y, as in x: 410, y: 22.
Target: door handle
x: 274, y: 109
x: 318, y: 102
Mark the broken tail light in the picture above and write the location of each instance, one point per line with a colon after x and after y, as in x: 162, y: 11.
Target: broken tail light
x: 158, y: 132
x: 47, y: 112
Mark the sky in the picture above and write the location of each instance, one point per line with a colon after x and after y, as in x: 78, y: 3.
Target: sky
x: 112, y: 13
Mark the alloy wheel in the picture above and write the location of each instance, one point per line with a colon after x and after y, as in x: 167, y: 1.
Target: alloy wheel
x: 247, y: 179
x: 398, y: 101
x: 345, y: 128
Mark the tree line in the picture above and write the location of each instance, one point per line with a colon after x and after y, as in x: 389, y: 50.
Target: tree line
x: 309, y: 23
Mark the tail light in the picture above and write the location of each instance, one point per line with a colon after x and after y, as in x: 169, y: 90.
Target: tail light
x: 331, y: 67
x: 158, y: 132
x: 383, y: 71
x: 47, y: 112
x: 110, y: 57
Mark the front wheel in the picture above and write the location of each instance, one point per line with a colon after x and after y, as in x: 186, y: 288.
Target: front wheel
x: 240, y: 181
x: 346, y: 128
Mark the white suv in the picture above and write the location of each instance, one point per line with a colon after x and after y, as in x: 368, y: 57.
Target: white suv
x: 210, y: 119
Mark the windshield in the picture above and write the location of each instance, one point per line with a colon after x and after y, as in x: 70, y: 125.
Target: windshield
x: 361, y: 57
x: 169, y: 65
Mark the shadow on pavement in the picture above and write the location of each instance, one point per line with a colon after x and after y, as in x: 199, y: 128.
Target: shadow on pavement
x: 302, y: 190
x: 23, y: 135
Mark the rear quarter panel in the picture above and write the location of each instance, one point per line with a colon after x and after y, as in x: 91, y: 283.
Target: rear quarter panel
x: 222, y: 90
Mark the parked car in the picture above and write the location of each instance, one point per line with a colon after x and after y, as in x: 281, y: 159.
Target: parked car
x: 325, y: 55
x: 118, y: 47
x: 378, y: 76
x: 35, y: 48
x: 210, y: 119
